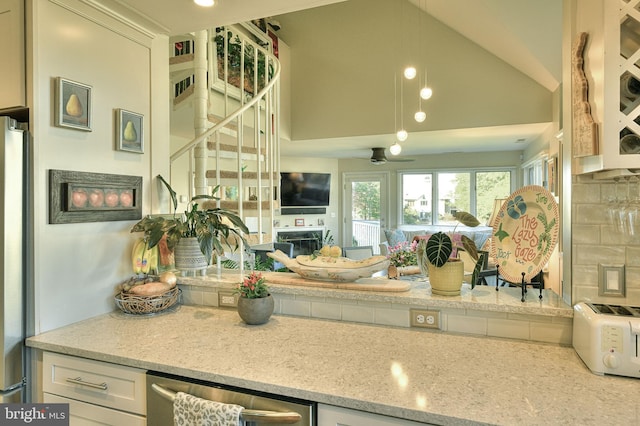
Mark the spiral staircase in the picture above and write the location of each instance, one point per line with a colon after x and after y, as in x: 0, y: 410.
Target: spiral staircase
x: 237, y: 130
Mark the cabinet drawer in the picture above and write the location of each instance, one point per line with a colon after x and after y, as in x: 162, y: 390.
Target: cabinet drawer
x: 95, y: 382
x: 83, y: 414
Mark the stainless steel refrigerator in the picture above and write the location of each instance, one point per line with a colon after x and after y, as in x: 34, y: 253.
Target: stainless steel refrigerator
x: 13, y: 258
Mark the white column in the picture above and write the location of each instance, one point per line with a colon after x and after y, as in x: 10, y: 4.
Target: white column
x: 201, y: 99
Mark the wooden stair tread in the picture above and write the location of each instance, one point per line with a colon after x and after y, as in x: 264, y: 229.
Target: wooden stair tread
x: 181, y: 59
x: 227, y: 174
x: 234, y: 148
x: 246, y: 205
x: 184, y: 95
x: 215, y: 120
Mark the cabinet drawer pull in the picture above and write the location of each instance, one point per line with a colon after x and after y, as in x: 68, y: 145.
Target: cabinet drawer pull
x: 79, y: 381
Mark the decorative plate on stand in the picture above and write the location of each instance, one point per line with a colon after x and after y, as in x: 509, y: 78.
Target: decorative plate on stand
x: 525, y: 233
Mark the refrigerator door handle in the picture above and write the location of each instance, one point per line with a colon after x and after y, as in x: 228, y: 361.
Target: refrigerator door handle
x: 14, y: 388
x: 79, y: 381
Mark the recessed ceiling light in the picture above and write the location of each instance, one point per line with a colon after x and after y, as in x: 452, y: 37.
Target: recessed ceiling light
x: 204, y: 3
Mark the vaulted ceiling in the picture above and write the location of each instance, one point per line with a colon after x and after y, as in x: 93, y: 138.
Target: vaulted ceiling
x: 525, y: 34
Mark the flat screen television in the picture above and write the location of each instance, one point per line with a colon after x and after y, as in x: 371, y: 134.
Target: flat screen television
x: 304, y: 189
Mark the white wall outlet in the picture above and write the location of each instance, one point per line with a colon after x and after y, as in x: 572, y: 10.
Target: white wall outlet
x: 424, y: 318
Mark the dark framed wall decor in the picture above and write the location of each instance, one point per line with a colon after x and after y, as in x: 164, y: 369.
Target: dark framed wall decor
x: 93, y: 197
x: 73, y: 105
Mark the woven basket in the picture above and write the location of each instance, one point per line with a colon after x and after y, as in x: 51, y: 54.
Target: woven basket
x: 146, y: 305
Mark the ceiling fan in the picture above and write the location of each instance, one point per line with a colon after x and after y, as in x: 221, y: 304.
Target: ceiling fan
x: 378, y: 157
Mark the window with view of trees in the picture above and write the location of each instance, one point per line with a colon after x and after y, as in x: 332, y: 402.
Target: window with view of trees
x: 366, y: 200
x: 472, y: 191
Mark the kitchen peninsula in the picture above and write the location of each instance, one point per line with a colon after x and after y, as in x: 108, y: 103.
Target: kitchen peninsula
x: 411, y: 374
x: 481, y: 311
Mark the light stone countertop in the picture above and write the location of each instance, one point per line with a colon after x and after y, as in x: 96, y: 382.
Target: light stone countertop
x: 420, y: 375
x: 483, y: 298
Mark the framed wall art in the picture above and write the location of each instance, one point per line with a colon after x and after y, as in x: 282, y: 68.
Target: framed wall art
x: 93, y: 197
x: 73, y: 105
x: 299, y: 222
x: 129, y: 131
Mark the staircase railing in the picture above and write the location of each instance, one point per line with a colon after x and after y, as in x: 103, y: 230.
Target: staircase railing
x: 233, y: 115
x: 265, y: 103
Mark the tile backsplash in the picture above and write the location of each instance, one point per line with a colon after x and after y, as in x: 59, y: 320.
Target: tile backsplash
x: 595, y: 240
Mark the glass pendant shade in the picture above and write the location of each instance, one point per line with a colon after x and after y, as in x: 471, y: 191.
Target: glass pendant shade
x: 395, y: 149
x: 410, y: 72
x: 402, y: 135
x: 426, y: 92
x: 420, y: 116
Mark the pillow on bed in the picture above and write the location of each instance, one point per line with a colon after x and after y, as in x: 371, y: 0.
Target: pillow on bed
x: 394, y: 236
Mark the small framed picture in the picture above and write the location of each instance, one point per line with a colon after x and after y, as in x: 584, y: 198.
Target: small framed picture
x: 129, y: 131
x: 299, y: 222
x: 73, y: 105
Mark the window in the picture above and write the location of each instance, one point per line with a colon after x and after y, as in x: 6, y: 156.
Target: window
x: 417, y: 198
x: 535, y: 171
x: 472, y: 191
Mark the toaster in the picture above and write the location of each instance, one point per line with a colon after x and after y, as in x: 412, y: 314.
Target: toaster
x: 605, y: 337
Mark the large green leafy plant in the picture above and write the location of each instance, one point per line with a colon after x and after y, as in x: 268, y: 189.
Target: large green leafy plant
x: 439, y: 246
x: 210, y: 226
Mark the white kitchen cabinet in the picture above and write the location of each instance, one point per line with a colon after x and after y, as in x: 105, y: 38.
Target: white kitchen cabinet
x: 612, y: 66
x: 12, y: 71
x: 329, y: 415
x: 97, y: 392
x: 84, y: 414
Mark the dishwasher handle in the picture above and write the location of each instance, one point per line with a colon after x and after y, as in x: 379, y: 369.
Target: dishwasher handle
x: 246, y: 415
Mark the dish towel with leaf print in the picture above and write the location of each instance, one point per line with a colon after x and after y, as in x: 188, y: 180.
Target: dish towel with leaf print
x: 189, y: 410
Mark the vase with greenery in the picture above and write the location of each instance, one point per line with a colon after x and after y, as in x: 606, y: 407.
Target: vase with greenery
x: 211, y: 227
x: 255, y: 303
x: 446, y: 272
x: 403, y: 259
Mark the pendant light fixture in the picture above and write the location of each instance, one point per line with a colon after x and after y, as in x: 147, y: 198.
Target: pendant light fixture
x: 410, y: 72
x: 425, y: 91
x: 395, y: 149
x: 204, y: 3
x: 420, y: 115
x: 402, y: 134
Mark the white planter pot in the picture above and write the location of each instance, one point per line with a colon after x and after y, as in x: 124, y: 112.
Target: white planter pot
x: 189, y: 257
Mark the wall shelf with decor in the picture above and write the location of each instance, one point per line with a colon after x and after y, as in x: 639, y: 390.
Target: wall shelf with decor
x: 612, y: 68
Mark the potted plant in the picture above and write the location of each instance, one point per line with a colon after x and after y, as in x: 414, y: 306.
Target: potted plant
x: 446, y: 272
x: 255, y: 303
x: 197, y: 232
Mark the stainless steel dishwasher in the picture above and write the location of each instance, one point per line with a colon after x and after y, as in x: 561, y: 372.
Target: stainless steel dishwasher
x: 259, y: 408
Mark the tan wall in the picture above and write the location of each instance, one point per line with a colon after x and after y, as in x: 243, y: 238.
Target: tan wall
x: 343, y: 69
